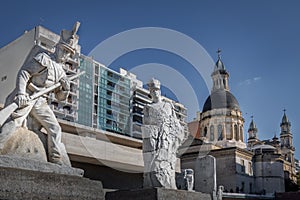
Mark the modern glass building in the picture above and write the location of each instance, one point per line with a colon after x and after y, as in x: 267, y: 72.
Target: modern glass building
x: 114, y: 101
x: 86, y: 88
x: 104, y: 100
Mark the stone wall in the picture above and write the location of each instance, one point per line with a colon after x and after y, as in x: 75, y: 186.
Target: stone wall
x: 111, y: 178
x: 269, y: 175
x: 12, y: 57
x: 28, y: 184
x: 156, y: 194
x: 287, y: 196
x: 205, y: 174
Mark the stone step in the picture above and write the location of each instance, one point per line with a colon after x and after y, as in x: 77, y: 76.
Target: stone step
x: 28, y: 185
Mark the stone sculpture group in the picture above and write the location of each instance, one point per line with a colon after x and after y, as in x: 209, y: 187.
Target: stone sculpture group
x: 31, y: 127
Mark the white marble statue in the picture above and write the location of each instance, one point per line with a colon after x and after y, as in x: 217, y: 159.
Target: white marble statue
x: 220, y: 192
x: 162, y: 135
x: 189, y: 178
x: 185, y: 179
x: 39, y: 71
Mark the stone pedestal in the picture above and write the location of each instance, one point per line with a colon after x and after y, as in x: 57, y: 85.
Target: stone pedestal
x: 205, y: 175
x: 156, y: 194
x: 31, y: 145
x: 28, y: 179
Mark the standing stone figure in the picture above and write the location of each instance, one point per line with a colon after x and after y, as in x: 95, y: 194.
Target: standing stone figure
x: 162, y: 135
x: 185, y: 179
x: 38, y: 72
x: 220, y: 192
x: 189, y: 177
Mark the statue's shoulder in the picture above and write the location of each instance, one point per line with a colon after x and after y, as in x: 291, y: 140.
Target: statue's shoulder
x: 168, y: 103
x: 37, y: 63
x: 43, y: 59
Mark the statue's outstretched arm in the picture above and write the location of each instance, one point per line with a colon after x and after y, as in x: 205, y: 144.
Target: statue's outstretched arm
x: 22, y: 97
x: 22, y: 80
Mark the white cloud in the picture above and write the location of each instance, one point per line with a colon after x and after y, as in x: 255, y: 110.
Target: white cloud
x: 256, y: 78
x: 250, y: 81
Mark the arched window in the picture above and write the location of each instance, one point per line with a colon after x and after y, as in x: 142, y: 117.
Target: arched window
x: 212, y: 133
x: 287, y: 142
x: 228, y: 132
x: 236, y: 134
x: 205, y: 132
x: 220, y: 132
x: 241, y: 134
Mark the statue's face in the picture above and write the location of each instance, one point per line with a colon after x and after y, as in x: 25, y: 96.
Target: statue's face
x: 62, y: 54
x: 155, y: 94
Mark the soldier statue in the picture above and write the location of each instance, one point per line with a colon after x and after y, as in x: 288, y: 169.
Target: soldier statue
x: 39, y: 71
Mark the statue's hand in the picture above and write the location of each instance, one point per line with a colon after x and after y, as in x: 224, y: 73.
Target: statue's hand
x: 65, y: 83
x: 22, y: 100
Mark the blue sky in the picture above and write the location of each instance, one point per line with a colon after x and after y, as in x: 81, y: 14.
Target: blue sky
x: 259, y: 41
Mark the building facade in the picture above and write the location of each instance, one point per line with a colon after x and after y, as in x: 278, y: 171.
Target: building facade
x: 104, y: 98
x: 281, y: 150
x: 221, y: 121
x: 251, y: 168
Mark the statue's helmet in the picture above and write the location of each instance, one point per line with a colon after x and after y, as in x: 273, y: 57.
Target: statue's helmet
x: 69, y: 39
x: 154, y: 84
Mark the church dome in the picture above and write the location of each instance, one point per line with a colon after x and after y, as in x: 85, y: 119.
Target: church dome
x: 264, y: 146
x: 220, y: 99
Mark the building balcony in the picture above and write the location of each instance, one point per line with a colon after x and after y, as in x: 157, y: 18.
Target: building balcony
x: 138, y: 114
x: 138, y: 105
x: 137, y: 123
x: 141, y: 98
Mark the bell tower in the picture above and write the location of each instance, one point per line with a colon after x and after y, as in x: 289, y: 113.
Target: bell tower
x: 221, y: 120
x: 220, y: 75
x: 286, y: 139
x: 252, y: 131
